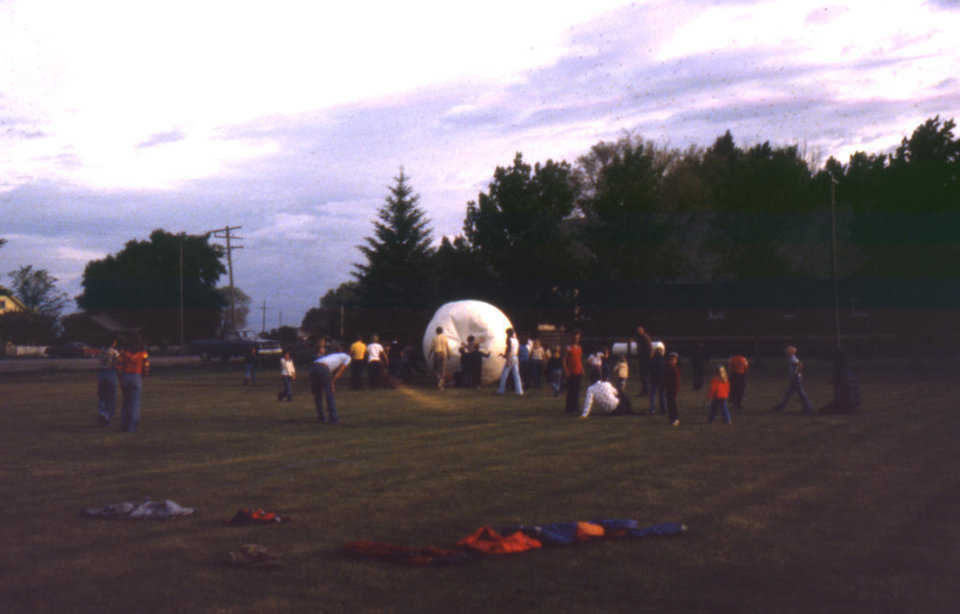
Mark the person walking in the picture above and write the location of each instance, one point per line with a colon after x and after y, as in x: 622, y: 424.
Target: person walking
x: 795, y: 382
x: 107, y: 384
x: 288, y: 373
x: 439, y: 353
x: 511, y: 364
x: 573, y: 372
x: 134, y: 363
x: 323, y: 377
x: 717, y: 397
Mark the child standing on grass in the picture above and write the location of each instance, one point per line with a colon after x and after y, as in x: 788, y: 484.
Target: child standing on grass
x: 288, y: 373
x: 719, y: 392
x: 621, y: 373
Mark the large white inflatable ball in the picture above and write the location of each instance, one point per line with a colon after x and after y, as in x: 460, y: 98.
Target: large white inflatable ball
x: 459, y: 320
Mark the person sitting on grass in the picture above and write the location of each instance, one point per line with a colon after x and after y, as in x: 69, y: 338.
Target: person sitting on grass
x: 607, y: 400
x: 323, y: 377
x: 717, y: 397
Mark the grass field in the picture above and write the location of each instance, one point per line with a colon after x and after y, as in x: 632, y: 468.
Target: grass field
x: 786, y: 513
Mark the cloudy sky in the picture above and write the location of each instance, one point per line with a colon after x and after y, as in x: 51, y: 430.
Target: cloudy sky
x: 290, y: 119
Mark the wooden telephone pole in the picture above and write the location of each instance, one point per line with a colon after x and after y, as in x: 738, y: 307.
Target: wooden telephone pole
x: 224, y: 233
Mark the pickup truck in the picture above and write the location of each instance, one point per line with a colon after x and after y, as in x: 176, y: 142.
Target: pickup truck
x: 225, y: 349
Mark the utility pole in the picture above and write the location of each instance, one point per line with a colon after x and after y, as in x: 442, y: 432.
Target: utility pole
x: 833, y: 253
x: 224, y: 233
x: 263, y: 317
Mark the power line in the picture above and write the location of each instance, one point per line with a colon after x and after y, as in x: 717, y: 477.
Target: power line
x: 224, y: 233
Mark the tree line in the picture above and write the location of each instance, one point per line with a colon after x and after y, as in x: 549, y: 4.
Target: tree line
x: 627, y: 224
x: 631, y: 218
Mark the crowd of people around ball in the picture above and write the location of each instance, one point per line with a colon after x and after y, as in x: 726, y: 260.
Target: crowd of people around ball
x: 527, y: 365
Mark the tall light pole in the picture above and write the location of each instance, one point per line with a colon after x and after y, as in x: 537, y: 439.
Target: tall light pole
x: 833, y: 253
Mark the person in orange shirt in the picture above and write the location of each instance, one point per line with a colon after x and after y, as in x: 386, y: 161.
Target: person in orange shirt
x: 573, y: 372
x: 719, y: 391
x: 133, y: 364
x: 738, y: 366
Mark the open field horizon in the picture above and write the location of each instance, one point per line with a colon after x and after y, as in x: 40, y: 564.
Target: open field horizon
x: 786, y: 513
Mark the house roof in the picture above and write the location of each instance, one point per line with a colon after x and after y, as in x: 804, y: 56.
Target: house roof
x: 14, y: 300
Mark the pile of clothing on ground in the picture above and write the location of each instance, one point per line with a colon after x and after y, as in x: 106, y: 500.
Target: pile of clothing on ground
x: 510, y: 540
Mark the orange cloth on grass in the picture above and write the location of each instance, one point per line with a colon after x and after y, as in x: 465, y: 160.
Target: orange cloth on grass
x: 488, y: 541
x: 588, y: 530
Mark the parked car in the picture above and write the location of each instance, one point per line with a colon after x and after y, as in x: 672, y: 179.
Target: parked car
x: 224, y: 349
x: 72, y: 349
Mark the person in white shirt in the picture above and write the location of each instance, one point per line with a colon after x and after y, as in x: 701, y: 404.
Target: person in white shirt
x: 288, y: 373
x: 323, y: 376
x: 604, y: 396
x: 512, y: 364
x: 376, y: 360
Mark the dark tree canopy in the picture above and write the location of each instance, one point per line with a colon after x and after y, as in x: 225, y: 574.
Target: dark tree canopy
x: 141, y: 285
x: 519, y: 228
x: 398, y: 254
x: 630, y: 227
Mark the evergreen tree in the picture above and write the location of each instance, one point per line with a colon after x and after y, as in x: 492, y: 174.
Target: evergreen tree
x: 397, y: 271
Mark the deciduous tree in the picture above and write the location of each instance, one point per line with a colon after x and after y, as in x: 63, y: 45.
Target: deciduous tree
x: 141, y: 285
x: 37, y: 290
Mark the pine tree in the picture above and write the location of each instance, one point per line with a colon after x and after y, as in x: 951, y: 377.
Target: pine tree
x: 397, y: 271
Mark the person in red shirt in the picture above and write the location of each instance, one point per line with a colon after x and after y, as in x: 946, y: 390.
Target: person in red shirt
x: 133, y: 364
x: 671, y: 386
x: 573, y: 371
x: 738, y: 366
x: 719, y: 391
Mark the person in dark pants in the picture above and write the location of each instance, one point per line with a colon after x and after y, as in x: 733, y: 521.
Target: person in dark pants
x: 737, y: 367
x: 134, y: 364
x: 573, y: 372
x: 358, y: 350
x: 671, y: 387
x: 250, y: 364
x: 794, y: 382
x: 657, y: 366
x: 323, y: 376
x: 644, y: 349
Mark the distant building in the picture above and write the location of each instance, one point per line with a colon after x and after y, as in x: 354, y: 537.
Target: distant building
x: 10, y: 303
